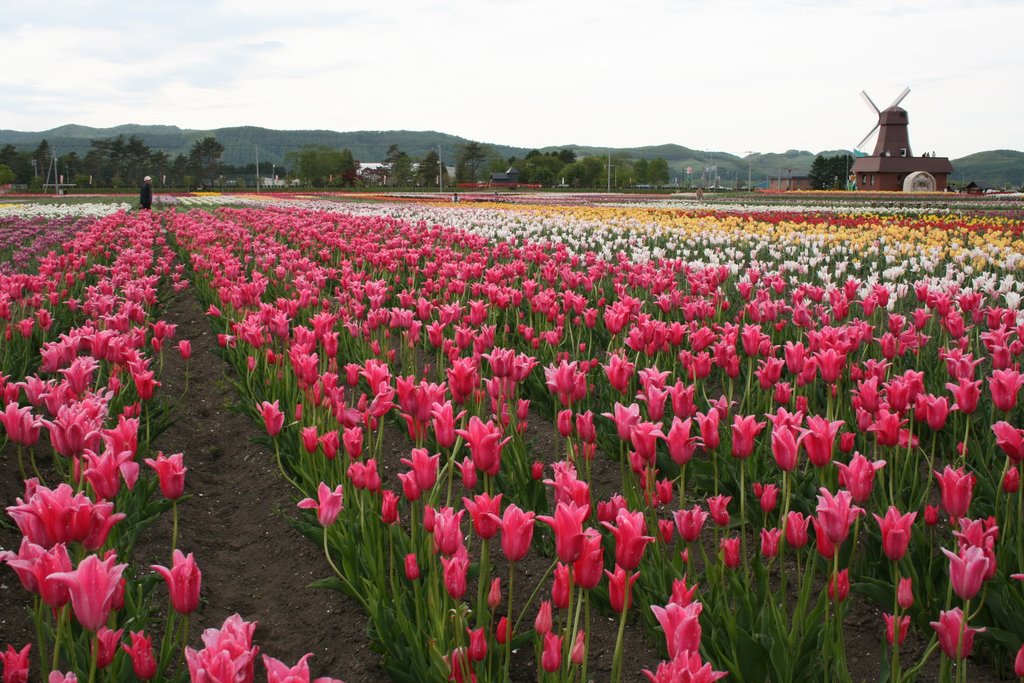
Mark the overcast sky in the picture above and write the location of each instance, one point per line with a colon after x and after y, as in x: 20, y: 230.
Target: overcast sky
x: 731, y: 75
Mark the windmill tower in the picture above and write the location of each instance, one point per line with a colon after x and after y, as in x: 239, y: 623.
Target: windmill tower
x: 892, y: 166
x: 891, y: 127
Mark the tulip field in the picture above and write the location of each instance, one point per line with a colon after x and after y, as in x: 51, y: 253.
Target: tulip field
x: 784, y: 440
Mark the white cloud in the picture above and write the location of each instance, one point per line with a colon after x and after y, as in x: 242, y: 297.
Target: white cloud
x: 733, y: 76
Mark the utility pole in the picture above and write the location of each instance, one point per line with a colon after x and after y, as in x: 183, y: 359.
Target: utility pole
x: 440, y: 170
x: 609, y: 170
x: 750, y: 187
x: 257, y: 169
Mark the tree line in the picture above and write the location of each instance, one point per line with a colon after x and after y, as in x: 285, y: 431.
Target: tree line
x: 122, y: 162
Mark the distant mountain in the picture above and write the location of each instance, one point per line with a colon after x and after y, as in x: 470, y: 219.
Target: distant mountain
x: 242, y: 144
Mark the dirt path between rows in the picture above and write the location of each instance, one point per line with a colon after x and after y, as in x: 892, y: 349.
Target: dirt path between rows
x: 236, y: 522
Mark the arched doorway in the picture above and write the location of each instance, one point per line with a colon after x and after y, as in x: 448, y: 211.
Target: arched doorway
x: 920, y: 181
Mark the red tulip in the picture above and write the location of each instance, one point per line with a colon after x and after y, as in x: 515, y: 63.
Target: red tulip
x: 1011, y: 481
x: 183, y: 581
x: 709, y: 429
x: 966, y: 393
x: 567, y: 382
x: 444, y: 419
x: 59, y: 515
x: 819, y: 439
x: 560, y: 586
x: 477, y: 644
x: 485, y: 444
x: 1018, y: 663
x: 141, y: 653
x: 412, y: 567
x: 681, y: 444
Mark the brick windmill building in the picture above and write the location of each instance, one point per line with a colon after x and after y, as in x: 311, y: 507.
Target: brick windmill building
x: 892, y: 167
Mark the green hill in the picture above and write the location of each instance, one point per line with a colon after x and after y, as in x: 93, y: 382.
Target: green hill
x: 999, y: 168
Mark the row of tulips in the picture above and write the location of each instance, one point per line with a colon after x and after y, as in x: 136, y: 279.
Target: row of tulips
x: 894, y: 398
x: 83, y: 351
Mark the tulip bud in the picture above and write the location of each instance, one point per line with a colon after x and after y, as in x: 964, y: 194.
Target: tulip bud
x: 542, y: 623
x: 494, y: 595
x: 931, y: 515
x: 501, y: 631
x: 905, y: 593
x: 1011, y: 482
x: 412, y: 567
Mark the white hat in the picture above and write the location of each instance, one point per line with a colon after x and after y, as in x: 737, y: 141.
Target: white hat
x: 147, y: 178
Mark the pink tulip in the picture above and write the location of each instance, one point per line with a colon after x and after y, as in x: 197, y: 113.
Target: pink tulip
x: 16, y: 664
x: 620, y: 588
x: 730, y: 548
x: 744, y: 430
x: 719, y: 507
x: 59, y: 515
x: 107, y: 642
x: 905, y: 593
x: 171, y: 472
x: 1010, y: 439
x: 625, y: 418
x: 33, y: 564
x: 567, y: 524
x: 859, y: 476
x: 21, y: 425
x: 770, y: 542
x: 966, y: 393
x: 183, y: 581
x: 955, y: 637
x: 444, y: 419
x: 588, y: 567
x: 967, y: 570
x: 890, y: 627
x: 896, y: 530
x: 796, y: 529
x: 542, y: 623
x: 1004, y: 385
x: 328, y: 505
x: 273, y: 418
x: 819, y: 439
x: 485, y: 444
x: 551, y: 656
x: 59, y: 677
x: 279, y: 672
x: 956, y: 487
x: 785, y: 447
x: 689, y: 522
x: 681, y: 444
x: 836, y: 514
x: 141, y: 653
x: 448, y: 531
x: 228, y: 655
x: 424, y: 466
x: 630, y: 540
x: 839, y: 585
x: 92, y: 586
x: 681, y: 624
x: 483, y: 510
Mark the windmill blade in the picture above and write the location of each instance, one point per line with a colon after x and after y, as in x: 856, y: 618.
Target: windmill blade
x: 900, y: 98
x: 866, y: 137
x: 871, y: 104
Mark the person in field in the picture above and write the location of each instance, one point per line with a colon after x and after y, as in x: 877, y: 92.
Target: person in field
x: 146, y: 194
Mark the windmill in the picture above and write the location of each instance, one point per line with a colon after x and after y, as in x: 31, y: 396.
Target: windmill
x: 892, y: 167
x: 891, y: 127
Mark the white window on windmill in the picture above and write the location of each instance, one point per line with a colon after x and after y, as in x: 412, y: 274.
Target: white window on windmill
x: 903, y: 151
